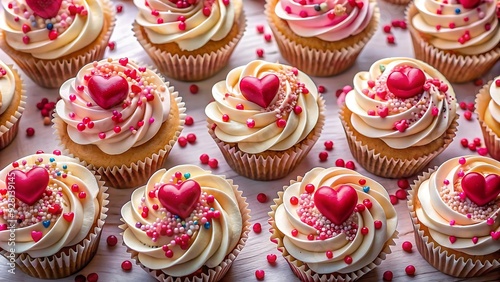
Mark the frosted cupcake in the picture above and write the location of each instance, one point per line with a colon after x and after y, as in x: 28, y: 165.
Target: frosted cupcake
x: 186, y: 224
x: 400, y: 115
x: 12, y: 103
x: 192, y: 42
x: 462, y: 41
x: 60, y: 208
x: 119, y: 118
x: 488, y: 114
x: 265, y: 115
x: 454, y: 209
x: 322, y: 38
x: 50, y: 42
x: 333, y: 224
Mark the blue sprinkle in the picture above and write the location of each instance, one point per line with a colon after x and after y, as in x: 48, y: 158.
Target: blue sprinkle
x: 187, y: 175
x: 195, y: 222
x: 207, y: 225
x: 457, y: 11
x: 212, y: 209
x: 58, y: 173
x: 50, y: 26
x: 366, y: 189
x: 46, y: 223
x: 52, y: 160
x: 64, y: 166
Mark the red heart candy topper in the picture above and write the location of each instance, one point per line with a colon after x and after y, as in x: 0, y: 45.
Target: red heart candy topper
x: 108, y: 92
x: 406, y: 82
x: 46, y: 9
x: 180, y: 199
x: 470, y: 4
x: 29, y: 187
x: 336, y: 205
x: 479, y: 189
x: 260, y: 91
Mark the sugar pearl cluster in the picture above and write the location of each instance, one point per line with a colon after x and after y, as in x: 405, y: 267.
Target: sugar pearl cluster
x: 313, y: 8
x: 184, y: 4
x: 142, y: 90
x: 64, y: 17
x: 170, y: 225
x: 49, y: 207
x: 324, y: 227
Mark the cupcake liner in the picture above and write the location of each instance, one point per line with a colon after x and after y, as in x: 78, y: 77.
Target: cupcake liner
x: 333, y: 61
x: 272, y: 166
x: 136, y: 173
x: 53, y: 73
x: 68, y: 260
x: 8, y: 131
x: 436, y: 255
x: 301, y: 270
x: 192, y: 67
x: 455, y: 67
x: 205, y: 274
x: 491, y: 140
x: 387, y: 167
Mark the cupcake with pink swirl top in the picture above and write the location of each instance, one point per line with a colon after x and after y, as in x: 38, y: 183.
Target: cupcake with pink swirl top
x: 400, y: 115
x: 322, y: 37
x: 455, y: 212
x: 119, y: 118
x: 461, y: 39
x: 488, y: 114
x: 333, y: 224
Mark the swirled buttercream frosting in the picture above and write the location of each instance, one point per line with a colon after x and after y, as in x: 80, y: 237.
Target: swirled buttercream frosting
x: 264, y: 106
x: 459, y: 203
x: 335, y: 220
x: 49, y: 202
x: 114, y: 104
x: 182, y: 219
x: 7, y: 87
x: 493, y: 110
x: 51, y: 29
x: 402, y: 101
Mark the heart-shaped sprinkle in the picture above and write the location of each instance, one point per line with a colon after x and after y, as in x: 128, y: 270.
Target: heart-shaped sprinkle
x: 180, y: 199
x: 46, y: 223
x: 336, y: 205
x: 406, y: 83
x: 36, y: 235
x: 108, y: 92
x: 260, y: 91
x: 3, y: 227
x: 453, y: 239
x: 69, y: 216
x: 469, y: 4
x: 474, y: 240
x: 383, y: 112
x: 123, y: 61
x: 401, y: 125
x: 46, y: 9
x: 479, y: 189
x: 366, y: 189
x: 29, y: 186
x: 495, y: 235
x: 54, y: 209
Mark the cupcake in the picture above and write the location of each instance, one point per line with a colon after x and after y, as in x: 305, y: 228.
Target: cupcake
x: 119, y: 118
x: 12, y: 103
x: 462, y: 41
x: 186, y: 224
x: 454, y: 209
x: 193, y: 42
x: 322, y: 38
x: 265, y: 118
x: 51, y: 40
x: 488, y: 114
x: 60, y: 207
x: 399, y: 116
x: 333, y: 224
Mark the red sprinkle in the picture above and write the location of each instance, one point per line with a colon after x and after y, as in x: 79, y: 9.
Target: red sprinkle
x: 260, y: 52
x: 394, y: 199
x: 410, y: 270
x: 464, y: 142
x: 323, y: 156
x: 271, y: 258
x: 257, y: 228
x: 119, y: 8
x: 472, y: 147
x: 340, y: 163
x: 260, y: 274
x: 322, y: 89
x: 477, y: 141
x: 395, y: 23
x: 213, y: 163
x: 294, y: 200
x: 112, y: 240
x: 30, y: 131
x: 391, y: 39
x: 267, y: 37
x: 467, y: 115
x: 262, y: 198
x: 387, y: 275
x: 111, y: 45
x: 182, y: 141
x: 126, y: 265
x: 193, y: 88
x: 80, y: 278
x: 189, y: 120
x: 204, y: 158
x: 328, y: 145
x: 471, y: 106
x: 260, y: 28
x: 387, y: 28
x: 478, y: 82
x: 482, y: 151
x: 407, y: 246
x: 462, y: 105
x: 191, y: 138
x: 403, y: 183
x: 92, y: 277
x: 348, y: 259
x: 350, y: 165
x: 401, y: 194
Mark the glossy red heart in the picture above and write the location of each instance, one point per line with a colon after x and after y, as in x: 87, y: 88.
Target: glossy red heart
x: 69, y: 216
x: 336, y: 205
x: 407, y: 83
x: 479, y: 189
x: 45, y: 8
x: 108, y: 92
x: 29, y: 186
x: 260, y: 91
x: 470, y: 4
x: 36, y: 235
x: 180, y: 199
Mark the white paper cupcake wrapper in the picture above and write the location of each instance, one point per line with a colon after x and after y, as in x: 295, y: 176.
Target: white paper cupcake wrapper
x: 8, y: 131
x: 435, y: 255
x: 491, y: 140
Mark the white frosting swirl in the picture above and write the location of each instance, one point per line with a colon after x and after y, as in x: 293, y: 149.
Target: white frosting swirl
x: 206, y: 246
x: 494, y: 104
x: 468, y: 31
x: 57, y: 232
x: 427, y: 115
x: 74, y: 31
x: 363, y: 249
x: 443, y: 220
x: 334, y: 21
x: 266, y: 134
x: 7, y: 87
x: 161, y: 21
x: 138, y: 118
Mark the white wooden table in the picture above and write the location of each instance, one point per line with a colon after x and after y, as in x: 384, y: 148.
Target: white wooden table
x: 107, y: 262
